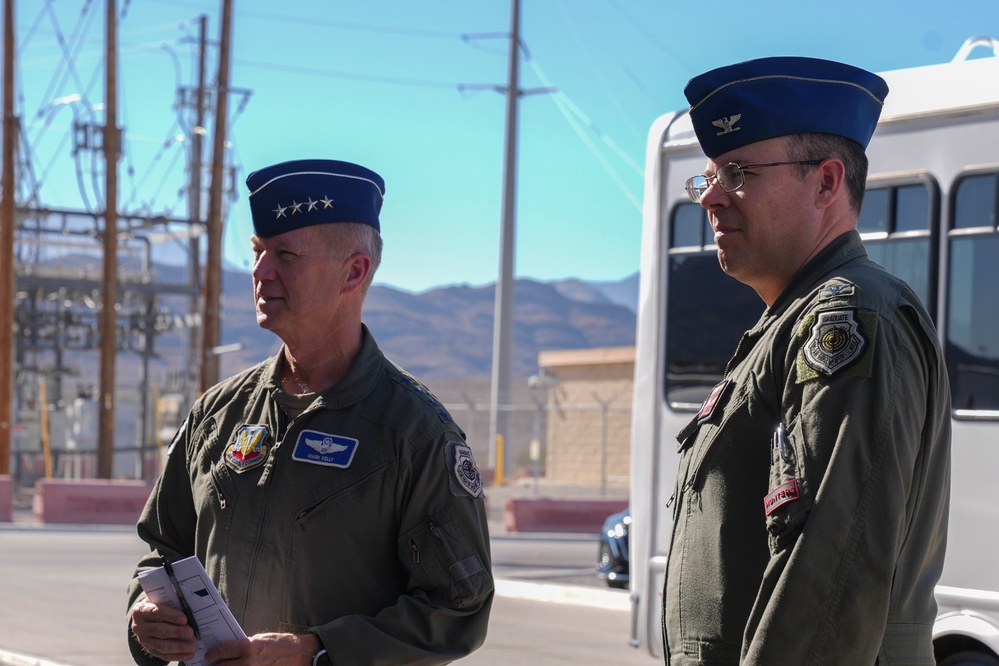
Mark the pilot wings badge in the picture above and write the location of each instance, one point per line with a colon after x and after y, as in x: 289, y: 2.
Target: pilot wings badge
x: 320, y: 448
x: 247, y: 449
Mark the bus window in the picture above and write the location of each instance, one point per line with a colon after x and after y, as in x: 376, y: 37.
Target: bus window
x: 707, y: 312
x: 689, y: 223
x: 972, y: 346
x: 975, y: 202
x: 897, y: 225
x: 912, y: 208
x: 874, y: 212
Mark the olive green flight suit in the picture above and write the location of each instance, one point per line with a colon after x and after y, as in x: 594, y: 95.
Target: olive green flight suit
x: 811, y: 500
x: 361, y: 520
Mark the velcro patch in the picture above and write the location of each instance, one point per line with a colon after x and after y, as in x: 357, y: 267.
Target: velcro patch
x: 837, y: 341
x: 782, y: 494
x: 837, y: 290
x: 321, y: 448
x: 712, y: 401
x: 464, y: 477
x: 248, y: 448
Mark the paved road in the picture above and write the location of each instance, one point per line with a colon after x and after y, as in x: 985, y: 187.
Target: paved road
x: 62, y: 593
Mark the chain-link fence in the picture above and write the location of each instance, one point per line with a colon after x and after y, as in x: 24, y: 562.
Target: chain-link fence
x: 581, y: 444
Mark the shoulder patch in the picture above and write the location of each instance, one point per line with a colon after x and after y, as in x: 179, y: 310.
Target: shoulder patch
x: 464, y: 475
x: 837, y: 341
x: 248, y: 448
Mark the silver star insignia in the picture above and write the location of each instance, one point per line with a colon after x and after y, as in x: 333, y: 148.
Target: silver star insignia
x: 311, y: 204
x: 326, y: 202
x: 296, y: 206
x: 280, y: 211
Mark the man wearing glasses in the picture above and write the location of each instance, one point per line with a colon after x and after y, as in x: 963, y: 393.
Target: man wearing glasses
x: 810, y: 508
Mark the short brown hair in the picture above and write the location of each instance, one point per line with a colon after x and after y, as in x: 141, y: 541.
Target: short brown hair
x: 818, y: 146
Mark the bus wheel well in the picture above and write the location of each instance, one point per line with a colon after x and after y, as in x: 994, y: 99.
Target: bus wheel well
x: 957, y: 650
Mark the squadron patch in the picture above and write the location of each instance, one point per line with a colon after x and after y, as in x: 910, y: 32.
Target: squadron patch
x: 835, y: 341
x: 464, y: 477
x: 320, y: 448
x: 248, y: 448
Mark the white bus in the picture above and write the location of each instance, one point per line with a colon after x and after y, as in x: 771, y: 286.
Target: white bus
x: 930, y: 216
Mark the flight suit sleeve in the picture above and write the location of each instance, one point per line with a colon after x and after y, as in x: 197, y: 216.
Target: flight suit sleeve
x: 850, y: 484
x: 443, y: 551
x: 167, y: 524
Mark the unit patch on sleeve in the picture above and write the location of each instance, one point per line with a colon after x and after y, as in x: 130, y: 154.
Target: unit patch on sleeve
x: 464, y: 475
x: 248, y: 448
x: 837, y: 340
x: 321, y: 448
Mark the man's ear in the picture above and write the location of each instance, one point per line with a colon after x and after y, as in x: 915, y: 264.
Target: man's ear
x: 358, y: 268
x: 832, y: 185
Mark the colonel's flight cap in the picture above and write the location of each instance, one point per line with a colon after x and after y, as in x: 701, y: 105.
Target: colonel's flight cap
x: 762, y: 99
x: 302, y: 193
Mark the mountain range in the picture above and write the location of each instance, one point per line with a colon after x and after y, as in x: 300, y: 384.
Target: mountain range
x: 447, y: 332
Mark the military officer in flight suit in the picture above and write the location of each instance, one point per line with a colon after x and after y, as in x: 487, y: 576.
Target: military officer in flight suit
x: 327, y: 492
x: 811, y: 499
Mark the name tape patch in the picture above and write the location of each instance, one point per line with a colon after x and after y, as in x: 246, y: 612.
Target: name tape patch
x: 322, y: 448
x: 712, y: 401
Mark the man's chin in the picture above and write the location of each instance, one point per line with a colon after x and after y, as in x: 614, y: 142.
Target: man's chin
x: 265, y: 322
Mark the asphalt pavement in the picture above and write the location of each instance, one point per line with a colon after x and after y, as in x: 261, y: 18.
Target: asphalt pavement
x: 569, y: 601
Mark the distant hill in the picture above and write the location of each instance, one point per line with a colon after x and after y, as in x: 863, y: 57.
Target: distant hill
x: 447, y: 332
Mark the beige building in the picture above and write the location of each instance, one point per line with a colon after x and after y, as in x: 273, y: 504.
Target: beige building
x: 588, y: 434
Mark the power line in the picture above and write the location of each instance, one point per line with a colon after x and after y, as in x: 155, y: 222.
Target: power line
x: 333, y: 74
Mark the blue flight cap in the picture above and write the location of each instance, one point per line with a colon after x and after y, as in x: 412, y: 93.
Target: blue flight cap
x: 301, y: 193
x: 755, y: 100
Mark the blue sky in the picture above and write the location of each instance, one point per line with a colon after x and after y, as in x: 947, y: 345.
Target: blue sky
x: 407, y: 89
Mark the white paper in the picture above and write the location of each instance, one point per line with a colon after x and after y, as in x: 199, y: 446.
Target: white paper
x: 215, y: 621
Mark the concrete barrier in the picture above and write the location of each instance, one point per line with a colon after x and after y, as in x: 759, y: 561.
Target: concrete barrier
x: 563, y: 514
x: 89, y: 501
x: 6, y: 498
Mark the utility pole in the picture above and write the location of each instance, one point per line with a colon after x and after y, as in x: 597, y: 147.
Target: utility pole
x: 213, y: 268
x: 197, y: 152
x: 503, y: 317
x: 499, y: 415
x: 109, y: 300
x: 8, y: 212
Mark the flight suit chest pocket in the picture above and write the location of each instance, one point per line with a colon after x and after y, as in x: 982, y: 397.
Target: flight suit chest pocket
x: 789, y: 499
x: 697, y: 438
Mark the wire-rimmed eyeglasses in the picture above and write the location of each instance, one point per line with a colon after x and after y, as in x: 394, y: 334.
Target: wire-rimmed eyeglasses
x: 730, y: 177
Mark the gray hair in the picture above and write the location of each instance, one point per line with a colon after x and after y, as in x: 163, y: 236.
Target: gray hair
x: 348, y: 238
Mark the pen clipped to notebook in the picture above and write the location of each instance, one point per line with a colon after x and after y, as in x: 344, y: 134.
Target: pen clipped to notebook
x: 186, y: 607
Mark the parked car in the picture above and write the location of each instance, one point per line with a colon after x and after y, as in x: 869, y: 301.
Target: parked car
x: 612, y: 558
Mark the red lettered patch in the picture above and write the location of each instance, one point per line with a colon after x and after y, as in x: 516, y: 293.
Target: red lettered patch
x: 782, y: 494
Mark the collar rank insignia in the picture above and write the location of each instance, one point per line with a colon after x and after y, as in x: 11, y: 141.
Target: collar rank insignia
x: 321, y: 448
x: 248, y: 448
x: 464, y: 477
x: 835, y: 341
